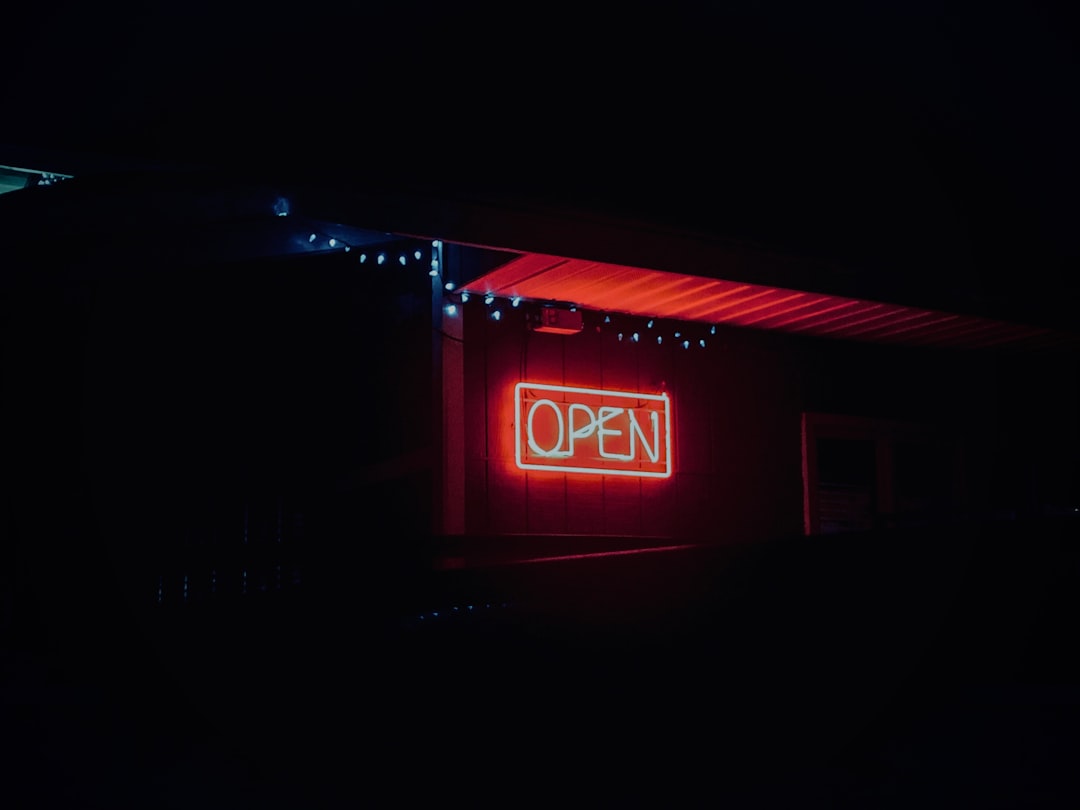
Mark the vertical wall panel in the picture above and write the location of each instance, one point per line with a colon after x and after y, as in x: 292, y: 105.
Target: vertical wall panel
x: 659, y: 508
x: 700, y: 508
x: 542, y: 357
x: 475, y: 429
x: 506, y: 498
x: 543, y: 361
x: 583, y: 363
x: 622, y: 506
x: 507, y: 491
x: 696, y: 391
x: 585, y: 504
x: 546, y: 503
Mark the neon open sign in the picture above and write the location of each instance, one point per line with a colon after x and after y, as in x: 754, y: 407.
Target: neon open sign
x: 590, y: 430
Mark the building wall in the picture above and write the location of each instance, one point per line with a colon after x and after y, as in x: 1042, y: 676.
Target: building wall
x: 735, y: 434
x: 954, y: 448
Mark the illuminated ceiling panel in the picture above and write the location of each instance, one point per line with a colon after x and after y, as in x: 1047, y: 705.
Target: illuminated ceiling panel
x: 654, y: 293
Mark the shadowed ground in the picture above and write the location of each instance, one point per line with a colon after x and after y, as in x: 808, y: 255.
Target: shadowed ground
x: 920, y: 668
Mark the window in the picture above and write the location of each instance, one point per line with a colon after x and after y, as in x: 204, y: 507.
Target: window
x: 861, y: 473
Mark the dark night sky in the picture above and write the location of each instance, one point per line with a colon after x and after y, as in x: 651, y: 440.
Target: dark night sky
x: 941, y: 136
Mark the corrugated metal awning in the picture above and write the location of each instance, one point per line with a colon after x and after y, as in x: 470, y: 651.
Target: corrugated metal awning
x: 654, y: 293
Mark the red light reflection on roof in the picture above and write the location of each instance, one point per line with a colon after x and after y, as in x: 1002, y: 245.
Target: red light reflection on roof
x: 660, y: 294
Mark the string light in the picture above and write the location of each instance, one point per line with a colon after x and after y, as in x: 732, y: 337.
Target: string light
x: 456, y: 613
x: 685, y: 336
x: 325, y: 241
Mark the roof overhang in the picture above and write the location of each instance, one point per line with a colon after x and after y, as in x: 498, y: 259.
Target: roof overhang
x: 674, y: 262
x: 616, y: 264
x: 681, y: 296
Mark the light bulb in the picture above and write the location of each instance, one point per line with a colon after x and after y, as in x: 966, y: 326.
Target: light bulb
x: 382, y: 258
x: 488, y: 299
x: 451, y: 310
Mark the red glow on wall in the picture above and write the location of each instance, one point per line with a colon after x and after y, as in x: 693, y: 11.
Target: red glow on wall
x: 566, y: 429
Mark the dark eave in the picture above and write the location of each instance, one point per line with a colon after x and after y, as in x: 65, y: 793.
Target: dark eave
x: 621, y: 249
x: 581, y: 255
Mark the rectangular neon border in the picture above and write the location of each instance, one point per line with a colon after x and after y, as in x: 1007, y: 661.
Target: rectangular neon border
x: 566, y: 389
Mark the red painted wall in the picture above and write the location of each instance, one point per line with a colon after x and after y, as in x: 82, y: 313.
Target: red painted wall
x: 737, y: 405
x: 735, y: 434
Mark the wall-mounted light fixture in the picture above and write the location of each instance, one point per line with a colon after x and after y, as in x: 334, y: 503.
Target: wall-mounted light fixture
x: 557, y: 320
